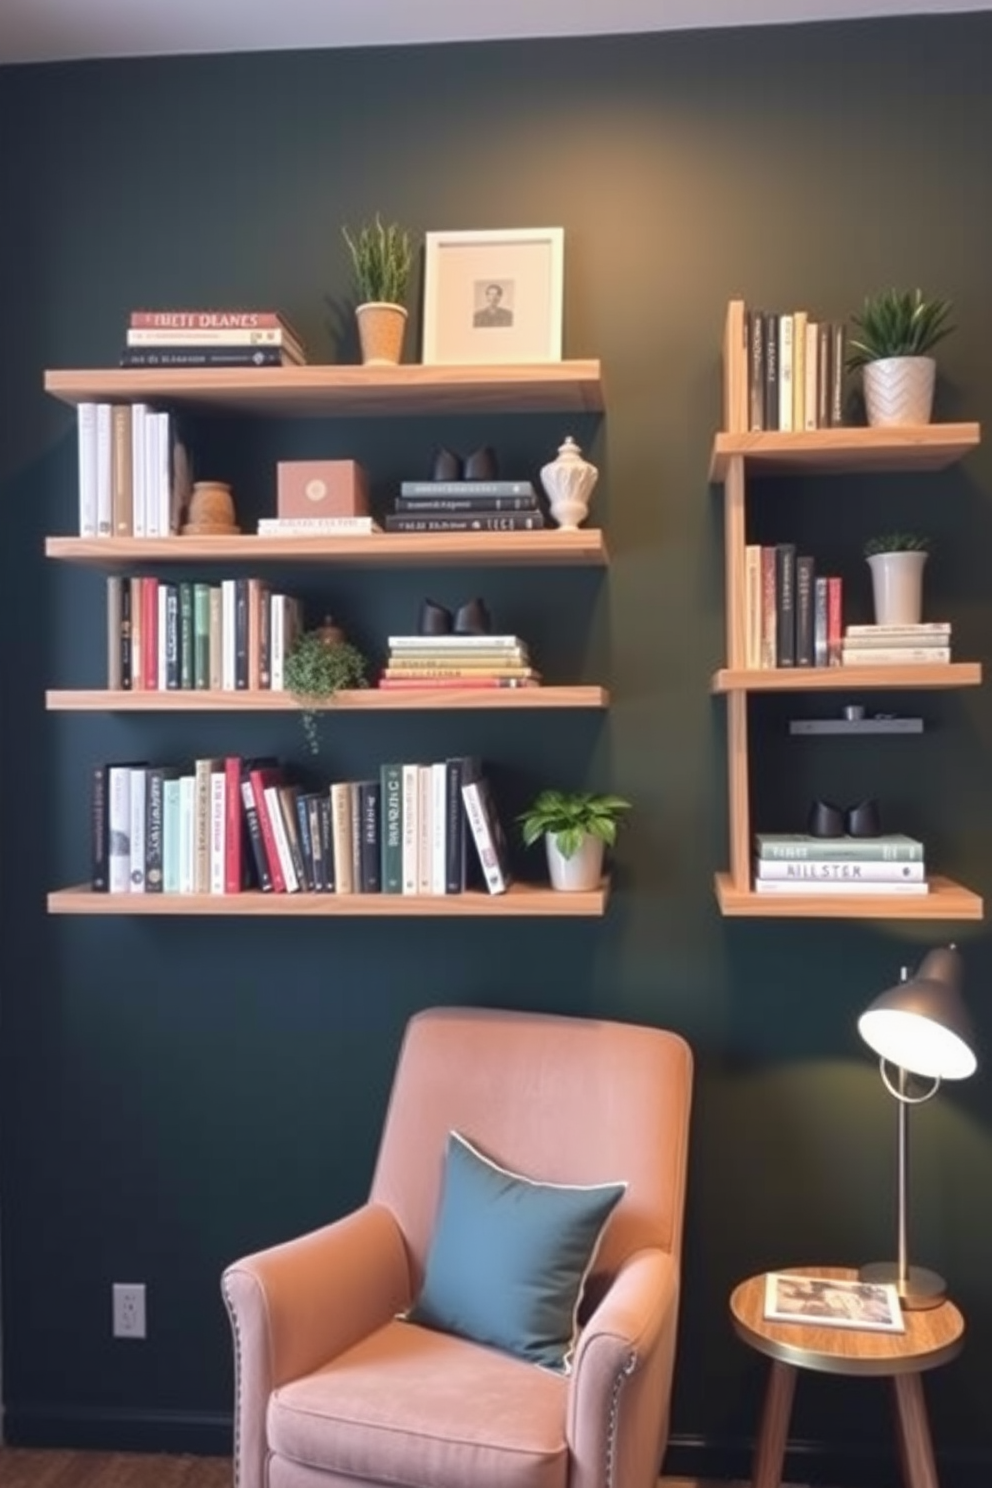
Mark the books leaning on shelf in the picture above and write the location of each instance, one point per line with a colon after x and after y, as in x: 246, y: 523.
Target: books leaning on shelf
x: 224, y: 825
x: 925, y: 644
x: 792, y: 614
x: 832, y: 1302
x: 457, y: 661
x: 466, y: 506
x: 794, y: 370
x: 795, y: 863
x: 211, y: 338
x: 134, y: 471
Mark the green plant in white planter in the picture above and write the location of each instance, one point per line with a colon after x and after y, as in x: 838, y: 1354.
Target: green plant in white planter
x: 382, y: 259
x: 896, y: 560
x: 576, y: 827
x: 895, y: 333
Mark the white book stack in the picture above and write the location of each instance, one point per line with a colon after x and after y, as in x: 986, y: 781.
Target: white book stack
x: 925, y: 644
x: 796, y: 863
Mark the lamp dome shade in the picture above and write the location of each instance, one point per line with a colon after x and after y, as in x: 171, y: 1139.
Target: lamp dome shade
x: 921, y: 1025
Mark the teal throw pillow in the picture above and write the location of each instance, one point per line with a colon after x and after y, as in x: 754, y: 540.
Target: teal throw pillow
x: 509, y: 1256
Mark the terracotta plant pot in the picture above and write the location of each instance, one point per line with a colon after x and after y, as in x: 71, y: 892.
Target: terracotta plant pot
x: 381, y: 328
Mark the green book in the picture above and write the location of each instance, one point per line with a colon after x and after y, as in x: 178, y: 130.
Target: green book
x: 201, y: 636
x: 391, y: 840
x: 891, y: 847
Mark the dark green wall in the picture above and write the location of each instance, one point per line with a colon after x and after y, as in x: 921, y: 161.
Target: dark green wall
x: 175, y: 1093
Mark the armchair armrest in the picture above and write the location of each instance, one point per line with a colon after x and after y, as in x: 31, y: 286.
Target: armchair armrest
x: 620, y: 1390
x: 295, y: 1306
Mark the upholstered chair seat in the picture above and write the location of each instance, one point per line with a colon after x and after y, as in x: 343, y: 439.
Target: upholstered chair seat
x: 337, y: 1388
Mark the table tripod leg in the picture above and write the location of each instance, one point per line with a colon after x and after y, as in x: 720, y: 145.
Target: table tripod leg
x: 769, y: 1452
x: 912, y: 1423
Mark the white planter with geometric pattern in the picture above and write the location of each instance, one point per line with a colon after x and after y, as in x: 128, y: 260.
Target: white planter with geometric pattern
x: 899, y: 390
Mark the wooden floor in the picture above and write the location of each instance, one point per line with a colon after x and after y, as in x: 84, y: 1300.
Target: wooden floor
x: 20, y: 1468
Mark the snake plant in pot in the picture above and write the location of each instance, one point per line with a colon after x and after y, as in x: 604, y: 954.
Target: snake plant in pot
x: 894, y: 334
x: 381, y: 259
x: 577, y: 827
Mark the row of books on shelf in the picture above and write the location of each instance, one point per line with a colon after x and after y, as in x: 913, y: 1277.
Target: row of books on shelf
x: 224, y: 825
x: 466, y: 506
x: 231, y: 636
x: 795, y: 370
x: 794, y: 617
x: 798, y: 863
x: 134, y: 474
x: 211, y: 338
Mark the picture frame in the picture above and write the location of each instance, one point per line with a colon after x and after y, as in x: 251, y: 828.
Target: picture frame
x: 827, y: 1301
x: 493, y: 297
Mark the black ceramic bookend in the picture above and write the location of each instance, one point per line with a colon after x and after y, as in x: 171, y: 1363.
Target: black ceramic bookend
x: 434, y: 619
x: 825, y: 820
x: 864, y: 820
x: 481, y: 464
x: 447, y: 466
x: 473, y: 619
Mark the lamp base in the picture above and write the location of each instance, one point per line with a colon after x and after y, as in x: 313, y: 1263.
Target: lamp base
x: 918, y: 1290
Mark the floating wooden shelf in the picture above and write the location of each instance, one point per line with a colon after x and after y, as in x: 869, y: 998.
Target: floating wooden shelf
x: 846, y: 679
x: 840, y: 451
x: 946, y: 900
x: 369, y: 700
x: 586, y: 548
x: 322, y: 391
x: 519, y: 900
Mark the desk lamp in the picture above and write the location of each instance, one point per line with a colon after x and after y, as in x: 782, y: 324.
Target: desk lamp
x: 918, y: 1028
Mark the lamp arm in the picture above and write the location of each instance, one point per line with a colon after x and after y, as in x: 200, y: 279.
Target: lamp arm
x: 897, y: 1088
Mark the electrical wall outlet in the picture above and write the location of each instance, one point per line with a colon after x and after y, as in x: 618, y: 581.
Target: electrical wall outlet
x: 129, y: 1309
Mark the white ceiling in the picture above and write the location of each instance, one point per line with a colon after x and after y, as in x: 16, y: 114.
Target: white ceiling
x: 57, y: 30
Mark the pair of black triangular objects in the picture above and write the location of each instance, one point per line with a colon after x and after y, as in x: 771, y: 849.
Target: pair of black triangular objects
x: 480, y: 465
x: 862, y: 820
x: 469, y: 619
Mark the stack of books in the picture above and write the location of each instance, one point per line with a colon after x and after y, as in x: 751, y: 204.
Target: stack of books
x: 794, y: 863
x: 466, y: 506
x: 458, y: 661
x: 211, y: 338
x: 897, y: 645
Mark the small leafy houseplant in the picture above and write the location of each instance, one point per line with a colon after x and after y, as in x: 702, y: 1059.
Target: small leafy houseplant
x: 894, y: 334
x: 315, y: 670
x: 576, y: 827
x: 381, y: 257
x: 896, y: 560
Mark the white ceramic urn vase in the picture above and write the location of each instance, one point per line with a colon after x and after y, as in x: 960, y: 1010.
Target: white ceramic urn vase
x: 583, y: 870
x: 897, y: 585
x: 899, y: 390
x: 569, y: 481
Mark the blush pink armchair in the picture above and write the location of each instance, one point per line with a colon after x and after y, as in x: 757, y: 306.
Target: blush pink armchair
x: 335, y: 1390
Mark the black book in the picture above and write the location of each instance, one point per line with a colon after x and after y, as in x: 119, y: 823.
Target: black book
x: 805, y: 602
x: 172, y: 637
x: 487, y: 505
x: 785, y: 604
x: 454, y: 826
x: 327, y: 840
x: 756, y: 370
x: 185, y: 634
x: 478, y: 521
x: 315, y: 842
x: 154, y: 825
x: 369, y: 795
x: 256, y: 841
x: 207, y: 356
x: 485, y: 827
x: 301, y: 802
x: 100, y: 835
x: 241, y: 678
x: 771, y: 370
x: 126, y: 597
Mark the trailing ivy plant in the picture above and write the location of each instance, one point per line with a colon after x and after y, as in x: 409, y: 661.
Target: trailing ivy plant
x: 315, y: 670
x: 570, y: 816
x: 382, y: 258
x: 897, y: 323
x: 896, y: 542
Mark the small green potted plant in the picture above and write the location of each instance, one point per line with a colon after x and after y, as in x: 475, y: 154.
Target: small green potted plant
x: 319, y: 664
x: 381, y: 259
x: 896, y: 560
x: 577, y: 827
x: 894, y: 334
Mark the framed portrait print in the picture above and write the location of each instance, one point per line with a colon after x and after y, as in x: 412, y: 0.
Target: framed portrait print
x: 493, y: 296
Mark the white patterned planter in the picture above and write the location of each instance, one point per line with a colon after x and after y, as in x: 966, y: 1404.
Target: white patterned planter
x: 899, y: 390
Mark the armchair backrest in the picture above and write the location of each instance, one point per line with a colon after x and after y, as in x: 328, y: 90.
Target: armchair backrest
x: 564, y: 1100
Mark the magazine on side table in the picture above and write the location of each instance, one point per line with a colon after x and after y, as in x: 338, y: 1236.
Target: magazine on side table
x: 824, y: 1301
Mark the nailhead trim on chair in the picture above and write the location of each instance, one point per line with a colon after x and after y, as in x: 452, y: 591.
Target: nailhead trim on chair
x: 611, y: 1439
x: 237, y: 1383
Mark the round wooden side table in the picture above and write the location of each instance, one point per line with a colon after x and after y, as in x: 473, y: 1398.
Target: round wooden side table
x: 932, y: 1337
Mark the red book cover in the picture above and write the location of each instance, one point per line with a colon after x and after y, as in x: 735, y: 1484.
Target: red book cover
x: 206, y: 320
x: 233, y: 867
x: 835, y: 623
x: 259, y: 779
x: 149, y: 633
